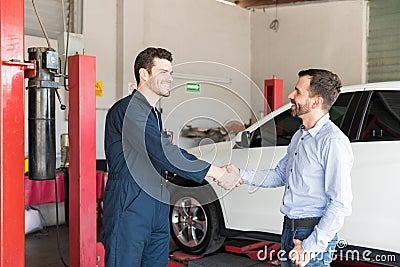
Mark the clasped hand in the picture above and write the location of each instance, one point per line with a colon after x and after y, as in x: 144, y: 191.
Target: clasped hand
x: 230, y: 178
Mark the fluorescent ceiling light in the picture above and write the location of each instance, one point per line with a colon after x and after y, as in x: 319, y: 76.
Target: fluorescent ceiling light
x: 226, y: 2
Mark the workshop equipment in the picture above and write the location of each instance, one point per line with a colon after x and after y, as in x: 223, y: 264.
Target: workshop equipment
x: 41, y: 113
x: 273, y: 94
x: 82, y: 160
x: 82, y: 129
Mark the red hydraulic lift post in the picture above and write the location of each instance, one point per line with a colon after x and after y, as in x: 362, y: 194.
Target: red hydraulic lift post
x: 12, y: 233
x: 82, y: 160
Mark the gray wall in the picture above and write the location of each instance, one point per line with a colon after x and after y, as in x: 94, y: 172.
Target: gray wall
x: 322, y: 35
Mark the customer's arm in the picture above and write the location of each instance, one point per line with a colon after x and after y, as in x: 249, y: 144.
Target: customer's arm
x: 266, y: 178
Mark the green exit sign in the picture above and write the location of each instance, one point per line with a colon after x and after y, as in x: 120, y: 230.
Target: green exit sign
x: 193, y: 87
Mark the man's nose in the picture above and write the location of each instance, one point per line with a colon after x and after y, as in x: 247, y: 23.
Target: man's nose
x: 170, y: 78
x: 290, y: 96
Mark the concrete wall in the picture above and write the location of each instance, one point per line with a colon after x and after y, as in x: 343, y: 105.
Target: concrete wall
x: 322, y: 35
x: 100, y: 33
x: 194, y: 31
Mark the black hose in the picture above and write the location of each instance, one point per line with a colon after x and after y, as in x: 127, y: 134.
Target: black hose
x: 57, y: 230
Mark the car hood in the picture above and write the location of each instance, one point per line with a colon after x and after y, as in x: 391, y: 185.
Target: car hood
x: 215, y: 153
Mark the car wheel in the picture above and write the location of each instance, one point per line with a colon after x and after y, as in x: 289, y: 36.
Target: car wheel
x: 195, y: 227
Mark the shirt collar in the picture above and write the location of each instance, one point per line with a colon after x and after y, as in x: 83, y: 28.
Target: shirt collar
x: 314, y: 130
x: 138, y: 95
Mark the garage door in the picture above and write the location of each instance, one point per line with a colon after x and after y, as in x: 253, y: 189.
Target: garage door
x: 384, y: 41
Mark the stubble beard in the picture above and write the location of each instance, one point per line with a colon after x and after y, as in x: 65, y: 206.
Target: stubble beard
x: 299, y: 110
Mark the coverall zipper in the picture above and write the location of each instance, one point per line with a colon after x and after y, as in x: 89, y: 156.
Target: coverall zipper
x: 161, y: 174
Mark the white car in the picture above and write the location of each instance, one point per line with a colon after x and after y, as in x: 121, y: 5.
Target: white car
x: 368, y: 114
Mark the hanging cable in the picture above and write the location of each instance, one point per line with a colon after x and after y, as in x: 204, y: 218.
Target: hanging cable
x: 63, y: 107
x: 274, y: 25
x: 55, y: 180
x: 41, y: 24
x: 67, y: 46
x: 57, y: 230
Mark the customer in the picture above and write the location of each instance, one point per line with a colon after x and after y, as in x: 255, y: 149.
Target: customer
x: 315, y: 173
x: 138, y: 152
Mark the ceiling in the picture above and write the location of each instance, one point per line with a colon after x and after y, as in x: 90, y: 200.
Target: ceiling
x: 265, y: 3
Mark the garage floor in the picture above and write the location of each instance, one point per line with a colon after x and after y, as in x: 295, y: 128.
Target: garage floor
x: 41, y: 251
x: 41, y: 247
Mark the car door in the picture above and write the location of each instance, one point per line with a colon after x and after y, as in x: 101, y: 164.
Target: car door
x: 375, y: 174
x: 268, y: 144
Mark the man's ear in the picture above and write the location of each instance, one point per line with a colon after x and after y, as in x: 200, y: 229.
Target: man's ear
x: 318, y: 101
x: 144, y: 74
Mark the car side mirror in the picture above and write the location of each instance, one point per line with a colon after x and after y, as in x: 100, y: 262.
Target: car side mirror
x: 242, y: 139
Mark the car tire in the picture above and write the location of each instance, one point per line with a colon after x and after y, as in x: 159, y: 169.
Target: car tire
x: 195, y: 227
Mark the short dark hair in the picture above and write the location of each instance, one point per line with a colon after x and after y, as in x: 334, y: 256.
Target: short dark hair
x: 323, y: 83
x: 145, y: 59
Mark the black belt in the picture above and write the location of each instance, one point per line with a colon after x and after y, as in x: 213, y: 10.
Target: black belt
x: 296, y: 223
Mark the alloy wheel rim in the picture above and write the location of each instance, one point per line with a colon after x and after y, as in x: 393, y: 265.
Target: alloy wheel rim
x: 189, y: 221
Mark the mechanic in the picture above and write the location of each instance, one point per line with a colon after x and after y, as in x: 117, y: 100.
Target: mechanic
x: 315, y: 173
x: 138, y: 152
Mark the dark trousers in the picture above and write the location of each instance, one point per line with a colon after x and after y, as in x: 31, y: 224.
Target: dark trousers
x: 140, y: 236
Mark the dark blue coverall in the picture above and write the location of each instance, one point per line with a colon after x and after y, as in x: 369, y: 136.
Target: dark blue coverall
x: 136, y: 201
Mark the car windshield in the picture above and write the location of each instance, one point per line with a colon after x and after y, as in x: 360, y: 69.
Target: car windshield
x: 279, y: 131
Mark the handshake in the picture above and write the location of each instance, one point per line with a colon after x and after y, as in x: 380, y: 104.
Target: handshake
x: 229, y: 178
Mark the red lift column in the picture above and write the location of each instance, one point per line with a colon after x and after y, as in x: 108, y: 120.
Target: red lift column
x: 273, y: 92
x: 82, y: 160
x: 12, y: 231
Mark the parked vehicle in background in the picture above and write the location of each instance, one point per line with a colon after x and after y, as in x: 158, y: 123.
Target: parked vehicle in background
x: 368, y: 114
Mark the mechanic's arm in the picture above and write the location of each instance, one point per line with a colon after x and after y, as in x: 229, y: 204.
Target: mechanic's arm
x: 177, y: 160
x: 181, y: 162
x: 338, y: 159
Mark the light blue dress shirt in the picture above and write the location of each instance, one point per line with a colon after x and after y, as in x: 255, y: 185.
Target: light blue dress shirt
x: 316, y: 174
